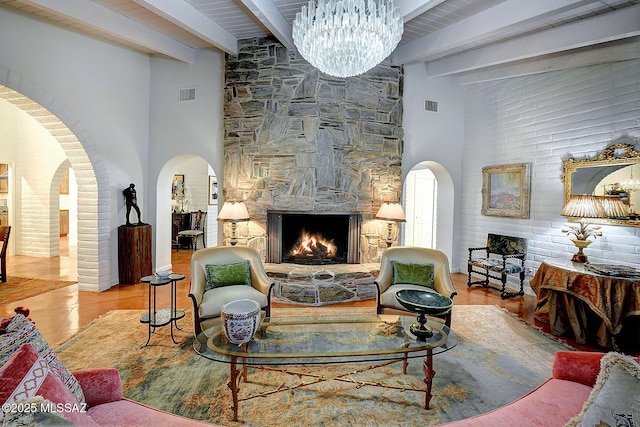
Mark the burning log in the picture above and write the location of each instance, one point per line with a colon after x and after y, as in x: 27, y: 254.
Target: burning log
x: 313, y: 247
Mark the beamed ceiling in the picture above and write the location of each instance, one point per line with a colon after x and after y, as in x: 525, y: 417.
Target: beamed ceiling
x: 480, y: 38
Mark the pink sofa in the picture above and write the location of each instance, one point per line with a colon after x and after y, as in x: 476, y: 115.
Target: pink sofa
x: 103, y: 393
x: 554, y: 402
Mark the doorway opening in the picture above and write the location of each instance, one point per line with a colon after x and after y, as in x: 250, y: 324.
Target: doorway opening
x: 428, y: 200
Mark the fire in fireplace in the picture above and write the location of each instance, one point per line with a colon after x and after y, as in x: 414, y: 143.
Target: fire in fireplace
x: 312, y: 247
x: 313, y: 238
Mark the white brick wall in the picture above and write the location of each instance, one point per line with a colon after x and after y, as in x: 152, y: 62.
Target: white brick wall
x: 543, y: 119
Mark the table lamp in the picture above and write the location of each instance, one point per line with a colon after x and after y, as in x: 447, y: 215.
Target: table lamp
x: 233, y: 212
x: 582, y: 207
x: 613, y: 206
x: 391, y: 212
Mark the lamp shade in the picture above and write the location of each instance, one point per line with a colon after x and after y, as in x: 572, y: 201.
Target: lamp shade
x: 233, y: 211
x: 391, y: 212
x: 584, y: 206
x: 613, y: 206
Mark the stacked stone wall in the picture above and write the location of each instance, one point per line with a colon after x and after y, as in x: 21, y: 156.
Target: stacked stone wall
x: 299, y: 140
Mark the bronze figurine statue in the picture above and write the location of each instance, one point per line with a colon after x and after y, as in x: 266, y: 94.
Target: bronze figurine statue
x: 132, y: 202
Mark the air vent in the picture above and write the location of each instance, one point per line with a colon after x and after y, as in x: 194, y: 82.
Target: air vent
x: 188, y: 94
x: 430, y: 105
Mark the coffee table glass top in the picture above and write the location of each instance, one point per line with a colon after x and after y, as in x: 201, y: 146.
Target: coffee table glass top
x: 326, y: 339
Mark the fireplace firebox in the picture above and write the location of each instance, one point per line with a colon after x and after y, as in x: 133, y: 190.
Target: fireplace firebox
x: 313, y: 238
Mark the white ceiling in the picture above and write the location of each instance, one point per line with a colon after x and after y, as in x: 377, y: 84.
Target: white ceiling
x: 450, y: 36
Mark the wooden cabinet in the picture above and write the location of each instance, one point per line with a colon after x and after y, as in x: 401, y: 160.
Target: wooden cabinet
x: 64, y: 222
x: 134, y: 253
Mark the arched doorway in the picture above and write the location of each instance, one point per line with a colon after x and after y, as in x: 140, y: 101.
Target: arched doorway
x: 93, y: 208
x: 428, y: 200
x: 197, y: 177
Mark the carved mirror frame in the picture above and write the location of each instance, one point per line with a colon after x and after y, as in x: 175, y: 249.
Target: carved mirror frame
x: 622, y: 154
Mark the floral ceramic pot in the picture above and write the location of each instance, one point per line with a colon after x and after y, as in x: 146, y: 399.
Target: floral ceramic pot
x: 240, y: 320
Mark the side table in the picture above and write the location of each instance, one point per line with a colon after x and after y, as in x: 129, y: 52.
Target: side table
x: 589, y: 305
x: 164, y: 316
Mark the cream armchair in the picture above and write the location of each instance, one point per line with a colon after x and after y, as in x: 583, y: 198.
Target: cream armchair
x: 412, y: 255
x: 207, y: 304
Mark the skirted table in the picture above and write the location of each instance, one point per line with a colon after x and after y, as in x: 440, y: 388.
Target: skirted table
x: 592, y: 306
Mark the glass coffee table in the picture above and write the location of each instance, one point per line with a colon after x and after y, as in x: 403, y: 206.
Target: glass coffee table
x: 319, y: 340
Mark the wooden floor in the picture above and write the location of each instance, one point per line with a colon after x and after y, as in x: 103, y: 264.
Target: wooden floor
x: 59, y: 314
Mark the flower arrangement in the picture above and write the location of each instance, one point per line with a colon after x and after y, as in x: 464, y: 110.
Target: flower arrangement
x: 582, y: 230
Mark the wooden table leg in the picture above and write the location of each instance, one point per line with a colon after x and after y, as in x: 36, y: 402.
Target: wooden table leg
x: 429, y: 373
x: 233, y: 385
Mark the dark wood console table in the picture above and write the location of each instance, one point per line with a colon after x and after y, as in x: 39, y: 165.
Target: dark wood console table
x: 591, y: 306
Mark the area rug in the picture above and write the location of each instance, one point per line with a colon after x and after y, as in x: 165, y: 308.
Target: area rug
x: 17, y: 288
x: 498, y: 359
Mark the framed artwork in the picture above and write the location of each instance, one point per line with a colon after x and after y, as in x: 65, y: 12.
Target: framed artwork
x: 4, y: 178
x: 177, y: 187
x: 506, y: 190
x: 213, y: 190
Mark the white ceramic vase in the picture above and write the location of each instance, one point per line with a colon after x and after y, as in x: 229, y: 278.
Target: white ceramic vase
x: 240, y: 320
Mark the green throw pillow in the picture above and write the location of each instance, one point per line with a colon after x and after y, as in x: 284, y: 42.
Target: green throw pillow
x: 415, y: 274
x: 227, y: 274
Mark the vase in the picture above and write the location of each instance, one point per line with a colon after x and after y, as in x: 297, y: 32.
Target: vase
x: 580, y: 256
x: 240, y: 320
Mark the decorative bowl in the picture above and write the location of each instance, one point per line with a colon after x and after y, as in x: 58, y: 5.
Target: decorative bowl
x: 163, y: 274
x: 428, y: 302
x: 423, y: 302
x: 240, y: 320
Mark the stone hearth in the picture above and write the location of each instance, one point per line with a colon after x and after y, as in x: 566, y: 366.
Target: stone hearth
x: 298, y: 140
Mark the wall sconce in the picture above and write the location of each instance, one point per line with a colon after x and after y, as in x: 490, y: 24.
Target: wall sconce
x: 233, y: 212
x: 392, y: 213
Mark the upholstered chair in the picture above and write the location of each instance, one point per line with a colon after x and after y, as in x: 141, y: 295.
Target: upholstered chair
x: 232, y: 272
x: 389, y: 281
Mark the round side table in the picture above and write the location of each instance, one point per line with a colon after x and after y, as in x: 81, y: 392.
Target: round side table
x: 156, y: 318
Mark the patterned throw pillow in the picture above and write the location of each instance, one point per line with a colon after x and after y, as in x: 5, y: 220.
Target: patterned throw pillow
x: 21, y: 330
x: 614, y: 398
x: 414, y: 274
x: 219, y: 275
x: 25, y: 375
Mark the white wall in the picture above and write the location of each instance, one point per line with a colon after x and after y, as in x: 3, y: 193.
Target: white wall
x: 36, y: 156
x: 438, y: 139
x: 543, y: 119
x: 182, y: 133
x: 116, y: 101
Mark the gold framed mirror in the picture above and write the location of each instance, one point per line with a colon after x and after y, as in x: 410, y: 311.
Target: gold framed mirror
x: 613, y: 172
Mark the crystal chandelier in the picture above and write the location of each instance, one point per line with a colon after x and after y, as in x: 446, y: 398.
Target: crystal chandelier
x: 345, y: 38
x: 630, y: 184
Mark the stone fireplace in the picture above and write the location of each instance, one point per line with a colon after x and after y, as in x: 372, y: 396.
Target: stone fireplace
x: 299, y: 141
x: 311, y: 238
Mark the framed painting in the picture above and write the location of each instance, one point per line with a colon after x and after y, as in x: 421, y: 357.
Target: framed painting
x: 506, y: 190
x: 177, y: 187
x: 213, y: 190
x: 4, y: 178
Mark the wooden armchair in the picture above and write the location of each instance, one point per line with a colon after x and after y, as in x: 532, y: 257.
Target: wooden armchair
x: 388, y: 285
x: 208, y: 299
x: 503, y: 255
x: 5, y: 230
